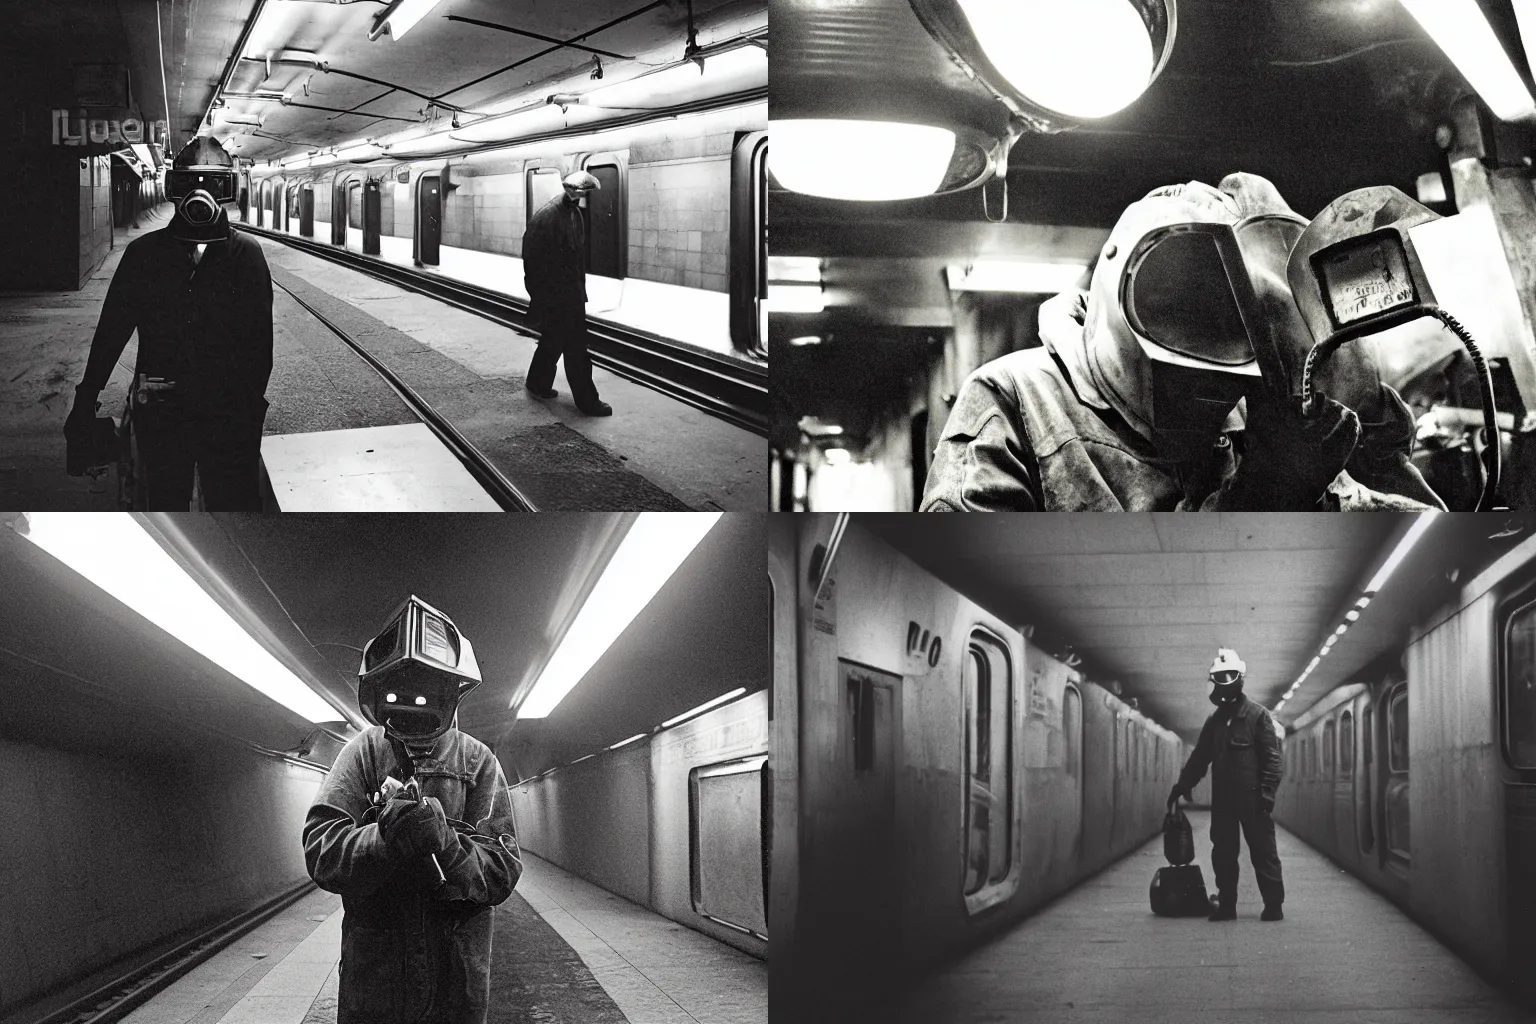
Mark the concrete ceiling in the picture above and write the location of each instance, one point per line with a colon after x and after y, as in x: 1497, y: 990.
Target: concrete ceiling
x: 1147, y: 599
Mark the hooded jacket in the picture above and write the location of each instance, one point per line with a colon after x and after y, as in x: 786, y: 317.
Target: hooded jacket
x: 413, y: 949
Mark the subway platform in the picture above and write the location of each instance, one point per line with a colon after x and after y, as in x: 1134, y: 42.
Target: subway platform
x: 566, y: 952
x: 339, y: 438
x: 1344, y: 953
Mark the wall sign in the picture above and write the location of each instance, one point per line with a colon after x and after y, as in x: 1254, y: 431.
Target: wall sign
x: 82, y: 131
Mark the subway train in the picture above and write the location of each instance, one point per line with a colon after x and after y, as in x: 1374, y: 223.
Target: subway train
x: 681, y: 203
x: 1426, y: 763
x: 942, y: 754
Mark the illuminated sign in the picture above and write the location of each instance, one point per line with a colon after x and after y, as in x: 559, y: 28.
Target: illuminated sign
x: 83, y: 131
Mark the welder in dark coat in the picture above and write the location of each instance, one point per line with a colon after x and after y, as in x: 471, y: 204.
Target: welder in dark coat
x: 1241, y: 746
x: 420, y: 870
x: 200, y: 297
x: 555, y: 274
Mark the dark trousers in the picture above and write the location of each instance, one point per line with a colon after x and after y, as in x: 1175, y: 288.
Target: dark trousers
x: 1259, y: 832
x: 564, y: 333
x: 227, y: 465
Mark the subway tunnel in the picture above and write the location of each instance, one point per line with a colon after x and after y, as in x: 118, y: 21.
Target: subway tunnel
x: 989, y: 719
x: 178, y: 688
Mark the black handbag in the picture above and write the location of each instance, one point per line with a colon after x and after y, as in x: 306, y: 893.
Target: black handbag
x: 1178, y: 837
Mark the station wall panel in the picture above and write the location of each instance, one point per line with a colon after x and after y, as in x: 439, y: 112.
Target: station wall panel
x: 680, y: 203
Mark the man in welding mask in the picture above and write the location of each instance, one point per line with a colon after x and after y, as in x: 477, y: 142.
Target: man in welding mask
x: 1241, y: 746
x: 413, y: 828
x: 200, y: 297
x: 1168, y: 385
x: 555, y: 274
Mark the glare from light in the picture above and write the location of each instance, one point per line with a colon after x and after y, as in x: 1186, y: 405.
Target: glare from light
x: 1011, y: 276
x: 390, y: 698
x: 859, y: 160
x: 1400, y: 552
x: 1342, y: 628
x: 657, y: 543
x: 837, y: 456
x: 1461, y: 30
x: 1351, y: 615
x: 404, y: 18
x: 796, y: 298
x: 716, y: 702
x: 794, y: 270
x: 1083, y: 58
x: 113, y: 552
x: 804, y: 340
x: 625, y: 743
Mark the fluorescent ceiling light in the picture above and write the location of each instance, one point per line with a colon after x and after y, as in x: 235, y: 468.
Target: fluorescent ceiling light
x: 738, y: 70
x: 1460, y: 28
x: 368, y: 150
x: 793, y: 269
x: 1083, y: 58
x: 796, y: 298
x: 401, y: 17
x: 1400, y: 552
x: 859, y: 160
x: 113, y: 552
x: 425, y: 144
x: 705, y: 706
x: 1011, y: 276
x: 657, y: 543
x: 625, y: 743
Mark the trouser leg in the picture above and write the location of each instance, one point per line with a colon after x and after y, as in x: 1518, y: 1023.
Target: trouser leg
x: 1259, y: 834
x: 1224, y: 832
x: 578, y: 364
x: 166, y: 458
x: 230, y: 476
x: 541, y: 372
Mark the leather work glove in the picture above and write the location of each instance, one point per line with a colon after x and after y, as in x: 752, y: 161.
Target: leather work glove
x: 1381, y: 459
x: 1176, y: 793
x: 1289, y: 458
x: 414, y: 829
x: 77, y: 431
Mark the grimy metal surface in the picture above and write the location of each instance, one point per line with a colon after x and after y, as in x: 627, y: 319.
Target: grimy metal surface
x: 732, y: 389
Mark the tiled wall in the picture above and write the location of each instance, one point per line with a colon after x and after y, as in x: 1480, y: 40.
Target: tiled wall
x: 95, y: 223
x: 485, y: 212
x: 680, y: 210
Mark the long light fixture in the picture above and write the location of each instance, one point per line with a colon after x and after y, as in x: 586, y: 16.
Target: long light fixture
x: 859, y: 160
x: 400, y: 17
x: 657, y: 543
x: 716, y: 702
x: 633, y: 739
x: 112, y: 551
x: 1423, y: 522
x: 1013, y: 276
x: 1461, y: 30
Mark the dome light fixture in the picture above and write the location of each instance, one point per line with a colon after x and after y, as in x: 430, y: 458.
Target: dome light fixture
x: 861, y: 160
x: 1056, y: 63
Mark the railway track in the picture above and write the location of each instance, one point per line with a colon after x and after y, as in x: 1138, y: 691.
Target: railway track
x: 729, y: 389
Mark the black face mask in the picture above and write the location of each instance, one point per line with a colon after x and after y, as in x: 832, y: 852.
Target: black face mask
x: 1223, y: 695
x: 1190, y: 407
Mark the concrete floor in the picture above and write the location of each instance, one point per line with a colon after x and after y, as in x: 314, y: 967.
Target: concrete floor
x: 1343, y: 954
x: 653, y: 970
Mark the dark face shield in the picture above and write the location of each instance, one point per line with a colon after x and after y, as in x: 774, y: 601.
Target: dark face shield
x: 415, y: 672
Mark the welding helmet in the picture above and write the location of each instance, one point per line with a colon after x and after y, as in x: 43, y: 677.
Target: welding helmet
x: 415, y: 672
x: 1226, y: 677
x: 200, y: 181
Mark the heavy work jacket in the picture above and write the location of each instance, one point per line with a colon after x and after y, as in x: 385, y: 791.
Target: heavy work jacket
x: 207, y: 326
x: 1019, y: 439
x: 1239, y: 745
x: 412, y: 949
x: 555, y: 260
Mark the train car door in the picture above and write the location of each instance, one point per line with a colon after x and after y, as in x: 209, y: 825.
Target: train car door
x: 1365, y: 822
x: 371, y: 217
x: 429, y: 219
x: 605, y: 225
x: 1344, y: 784
x: 747, y: 266
x: 307, y: 211
x: 1395, y: 831
x: 339, y: 213
x: 354, y: 238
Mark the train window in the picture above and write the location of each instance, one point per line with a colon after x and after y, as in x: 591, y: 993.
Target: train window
x: 1328, y: 750
x: 1519, y: 683
x: 1072, y: 729
x: 543, y: 185
x: 1397, y: 732
x: 1346, y: 745
x: 989, y: 763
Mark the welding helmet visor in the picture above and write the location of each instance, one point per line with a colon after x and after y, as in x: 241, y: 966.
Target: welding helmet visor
x: 415, y: 672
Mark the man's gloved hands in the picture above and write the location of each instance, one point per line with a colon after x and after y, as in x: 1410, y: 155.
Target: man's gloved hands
x: 1266, y: 802
x: 1176, y: 793
x: 78, y: 430
x: 1381, y: 459
x: 1289, y: 459
x: 414, y: 829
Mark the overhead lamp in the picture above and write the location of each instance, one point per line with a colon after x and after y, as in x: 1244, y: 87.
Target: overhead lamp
x: 1461, y: 30
x: 1012, y: 276
x: 714, y: 703
x: 624, y: 743
x: 113, y: 552
x: 650, y: 553
x: 796, y: 298
x: 1420, y: 524
x: 366, y: 151
x: 399, y: 18
x: 860, y: 160
x: 1054, y: 62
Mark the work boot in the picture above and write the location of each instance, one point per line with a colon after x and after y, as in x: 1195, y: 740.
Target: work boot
x: 597, y: 408
x: 541, y: 392
x: 1224, y: 910
x: 1272, y: 912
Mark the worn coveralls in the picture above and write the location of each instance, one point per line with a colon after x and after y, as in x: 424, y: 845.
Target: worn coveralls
x: 207, y: 326
x: 1239, y: 745
x: 1020, y: 440
x: 413, y: 950
x: 555, y: 274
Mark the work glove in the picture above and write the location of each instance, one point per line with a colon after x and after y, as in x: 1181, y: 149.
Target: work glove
x: 1289, y: 458
x: 1266, y: 802
x: 1176, y: 793
x: 1381, y: 460
x: 413, y: 829
x: 77, y: 431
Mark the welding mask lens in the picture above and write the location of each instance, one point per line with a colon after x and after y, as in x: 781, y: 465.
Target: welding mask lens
x: 1176, y: 294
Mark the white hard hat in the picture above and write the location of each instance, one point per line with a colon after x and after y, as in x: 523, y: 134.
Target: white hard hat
x: 1228, y: 661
